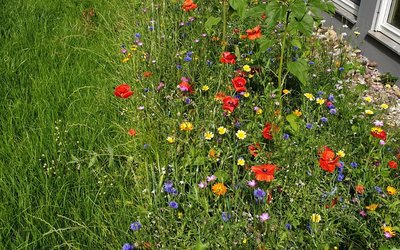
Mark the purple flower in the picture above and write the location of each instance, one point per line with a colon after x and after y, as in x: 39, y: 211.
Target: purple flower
x: 363, y: 213
x: 353, y: 164
x: 188, y: 101
x: 211, y: 178
x: 288, y: 226
x: 160, y: 86
x: 187, y: 59
x: 324, y: 119
x: 252, y: 183
x: 202, y: 184
x: 168, y: 187
x: 340, y: 177
x: 378, y: 189
x: 127, y: 246
x: 264, y: 217
x: 331, y: 97
x: 286, y: 136
x: 259, y: 194
x: 333, y: 111
x: 137, y: 35
x: 173, y: 204
x: 309, y: 126
x: 388, y: 235
x: 135, y: 226
x: 225, y: 216
x: 378, y: 123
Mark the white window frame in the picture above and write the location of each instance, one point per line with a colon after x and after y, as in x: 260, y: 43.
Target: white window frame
x: 348, y: 5
x: 380, y: 23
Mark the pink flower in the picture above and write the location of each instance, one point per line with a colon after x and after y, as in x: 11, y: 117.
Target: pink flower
x: 211, y: 178
x: 263, y: 217
x: 252, y: 183
x: 202, y: 184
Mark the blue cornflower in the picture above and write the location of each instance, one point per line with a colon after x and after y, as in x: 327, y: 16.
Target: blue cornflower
x: 311, y: 63
x: 353, y: 164
x: 190, y: 53
x: 269, y: 50
x: 209, y: 62
x: 341, y: 69
x: 378, y: 189
x: 295, y: 48
x: 320, y: 93
x: 340, y: 177
x: 288, y: 226
x: 324, y: 119
x: 259, y: 194
x: 127, y: 246
x: 333, y: 111
x: 173, y: 204
x: 151, y: 28
x: 309, y: 126
x: 137, y: 35
x: 286, y: 136
x: 178, y: 66
x: 187, y: 58
x: 225, y: 216
x: 331, y: 97
x: 168, y: 187
x: 188, y: 101
x: 135, y: 226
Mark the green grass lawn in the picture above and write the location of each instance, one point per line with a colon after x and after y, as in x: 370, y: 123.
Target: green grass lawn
x: 72, y: 177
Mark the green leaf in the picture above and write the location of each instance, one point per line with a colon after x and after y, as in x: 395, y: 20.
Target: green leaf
x: 237, y: 51
x: 299, y: 69
x: 293, y: 122
x: 299, y: 9
x: 239, y: 6
x: 304, y: 25
x: 211, y: 22
x: 256, y: 12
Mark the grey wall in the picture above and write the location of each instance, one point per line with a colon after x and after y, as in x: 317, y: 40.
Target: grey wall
x: 386, y: 56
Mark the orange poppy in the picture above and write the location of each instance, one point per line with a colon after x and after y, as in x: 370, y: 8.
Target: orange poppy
x: 328, y: 162
x: 254, y: 33
x: 188, y: 5
x: 264, y: 172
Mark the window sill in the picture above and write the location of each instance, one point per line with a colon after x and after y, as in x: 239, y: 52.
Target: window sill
x: 386, y: 41
x: 346, y: 14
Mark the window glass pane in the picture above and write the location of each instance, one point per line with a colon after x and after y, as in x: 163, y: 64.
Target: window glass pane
x: 394, y: 14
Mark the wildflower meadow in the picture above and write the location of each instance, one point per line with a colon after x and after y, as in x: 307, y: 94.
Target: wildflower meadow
x: 190, y: 124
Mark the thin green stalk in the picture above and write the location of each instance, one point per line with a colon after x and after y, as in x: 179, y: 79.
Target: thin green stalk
x: 224, y: 23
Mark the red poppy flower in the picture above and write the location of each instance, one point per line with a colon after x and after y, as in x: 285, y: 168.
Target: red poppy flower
x: 392, y: 164
x: 132, y: 132
x: 239, y: 84
x: 228, y: 58
x: 267, y: 134
x: 328, y: 162
x: 254, y: 33
x: 123, y: 91
x: 230, y: 103
x: 185, y: 87
x: 188, y: 5
x: 220, y: 96
x: 333, y: 203
x: 253, y: 149
x: 264, y: 172
x: 381, y: 134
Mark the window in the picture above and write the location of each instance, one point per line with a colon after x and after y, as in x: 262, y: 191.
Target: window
x: 387, y: 19
x: 350, y: 6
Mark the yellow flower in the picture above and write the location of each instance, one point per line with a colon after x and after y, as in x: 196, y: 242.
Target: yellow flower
x: 186, y: 126
x: 391, y: 190
x: 219, y: 188
x: 244, y: 241
x: 286, y: 91
x: 221, y: 130
x: 205, y: 88
x: 384, y: 106
x: 170, y: 139
x: 240, y: 161
x: 376, y: 130
x: 251, y: 75
x: 309, y: 96
x: 247, y: 68
x: 241, y: 135
x: 369, y: 112
x: 180, y: 215
x: 259, y: 111
x: 126, y: 59
x: 389, y: 230
x: 315, y: 218
x: 208, y: 135
x: 297, y: 113
x: 246, y: 94
x: 340, y: 153
x: 372, y: 207
x: 368, y: 99
x: 320, y: 101
x: 388, y: 86
x: 134, y: 47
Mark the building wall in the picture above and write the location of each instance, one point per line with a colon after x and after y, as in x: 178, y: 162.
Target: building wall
x: 374, y: 45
